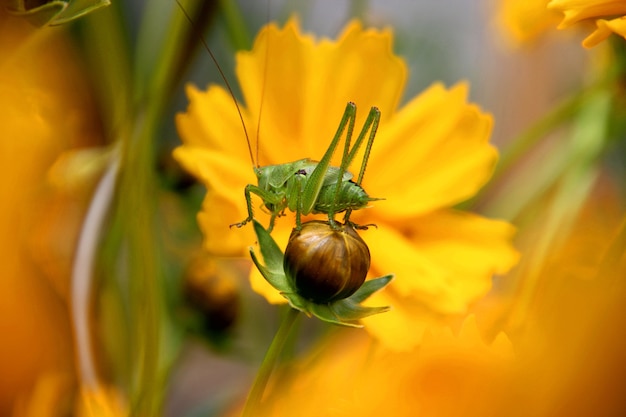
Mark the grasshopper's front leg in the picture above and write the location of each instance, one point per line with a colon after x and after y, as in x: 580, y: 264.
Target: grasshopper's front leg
x: 267, y: 198
x: 248, y: 197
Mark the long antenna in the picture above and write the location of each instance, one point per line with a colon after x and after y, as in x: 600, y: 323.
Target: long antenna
x: 265, y: 63
x: 230, y: 90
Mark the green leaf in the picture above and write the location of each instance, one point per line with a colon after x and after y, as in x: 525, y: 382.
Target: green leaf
x: 325, y: 313
x: 38, y: 16
x: 277, y: 279
x: 298, y: 302
x: 55, y: 12
x: 347, y: 311
x: 77, y: 9
x: 369, y: 287
x: 273, y: 270
x: 272, y: 255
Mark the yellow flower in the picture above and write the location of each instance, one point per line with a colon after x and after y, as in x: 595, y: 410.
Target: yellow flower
x: 46, y: 108
x: 56, y: 395
x: 525, y: 20
x: 101, y: 401
x: 447, y: 376
x: 566, y: 313
x: 428, y: 156
x: 575, y: 11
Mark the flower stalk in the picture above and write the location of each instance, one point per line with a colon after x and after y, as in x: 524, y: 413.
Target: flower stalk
x: 269, y: 363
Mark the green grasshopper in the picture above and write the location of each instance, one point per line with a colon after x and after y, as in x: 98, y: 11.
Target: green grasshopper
x: 305, y: 186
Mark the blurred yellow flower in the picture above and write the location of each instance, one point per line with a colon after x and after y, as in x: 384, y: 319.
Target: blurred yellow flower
x: 575, y: 11
x: 566, y: 316
x: 526, y: 20
x: 448, y: 375
x: 564, y: 358
x: 428, y: 156
x: 56, y: 395
x: 51, y: 396
x: 101, y: 401
x: 46, y: 108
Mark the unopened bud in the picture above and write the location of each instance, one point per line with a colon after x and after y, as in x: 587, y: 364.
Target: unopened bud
x: 326, y: 264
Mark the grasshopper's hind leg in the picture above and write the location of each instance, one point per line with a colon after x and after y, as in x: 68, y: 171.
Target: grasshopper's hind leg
x: 313, y: 186
x: 350, y: 116
x: 371, y: 125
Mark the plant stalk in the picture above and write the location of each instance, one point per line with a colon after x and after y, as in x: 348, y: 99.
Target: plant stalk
x: 269, y: 362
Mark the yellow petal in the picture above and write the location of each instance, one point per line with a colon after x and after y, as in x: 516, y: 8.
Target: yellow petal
x: 212, y: 121
x: 525, y: 20
x: 302, y: 88
x: 577, y: 10
x: 434, y: 153
x: 395, y: 253
x: 445, y: 260
x: 223, y: 173
x: 604, y: 29
x: 401, y: 328
x: 224, y: 203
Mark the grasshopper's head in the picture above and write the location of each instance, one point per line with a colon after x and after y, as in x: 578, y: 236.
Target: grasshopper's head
x: 263, y: 175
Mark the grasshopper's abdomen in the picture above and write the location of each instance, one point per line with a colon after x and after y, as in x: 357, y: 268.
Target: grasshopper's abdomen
x: 351, y: 196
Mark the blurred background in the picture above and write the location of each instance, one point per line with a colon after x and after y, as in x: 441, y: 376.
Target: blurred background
x: 172, y: 331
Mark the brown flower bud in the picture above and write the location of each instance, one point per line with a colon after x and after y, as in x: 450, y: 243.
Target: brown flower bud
x: 326, y: 264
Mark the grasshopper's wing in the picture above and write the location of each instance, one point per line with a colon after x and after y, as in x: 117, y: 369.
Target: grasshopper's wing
x: 332, y: 173
x: 277, y: 175
x: 332, y: 176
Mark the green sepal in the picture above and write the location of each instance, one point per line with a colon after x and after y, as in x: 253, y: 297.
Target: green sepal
x: 272, y: 271
x: 272, y: 255
x: 369, y: 287
x: 345, y: 312
x: 278, y: 281
x: 326, y: 313
x: 297, y: 302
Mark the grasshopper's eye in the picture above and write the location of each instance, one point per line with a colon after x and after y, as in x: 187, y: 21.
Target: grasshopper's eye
x: 326, y: 264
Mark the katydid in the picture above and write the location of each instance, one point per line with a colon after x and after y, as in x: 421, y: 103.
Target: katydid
x: 306, y: 186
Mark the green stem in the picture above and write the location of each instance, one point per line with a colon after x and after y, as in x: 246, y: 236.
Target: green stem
x: 258, y: 388
x: 238, y: 34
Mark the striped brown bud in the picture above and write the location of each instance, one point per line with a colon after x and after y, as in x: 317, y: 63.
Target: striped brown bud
x: 326, y: 264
